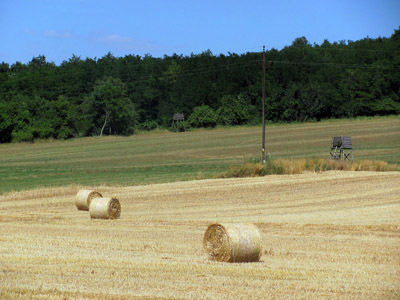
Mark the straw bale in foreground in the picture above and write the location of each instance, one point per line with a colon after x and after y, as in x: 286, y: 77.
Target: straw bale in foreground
x: 232, y: 242
x: 105, y: 208
x: 84, y: 197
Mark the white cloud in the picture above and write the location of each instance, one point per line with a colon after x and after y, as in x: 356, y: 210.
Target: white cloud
x: 125, y: 42
x: 115, y: 38
x: 28, y: 31
x: 57, y: 34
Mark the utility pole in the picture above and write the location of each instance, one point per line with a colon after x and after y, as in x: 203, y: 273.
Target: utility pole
x: 263, y: 111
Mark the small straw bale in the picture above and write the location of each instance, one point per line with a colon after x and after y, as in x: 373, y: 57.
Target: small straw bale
x: 84, y: 197
x: 105, y: 208
x: 232, y: 242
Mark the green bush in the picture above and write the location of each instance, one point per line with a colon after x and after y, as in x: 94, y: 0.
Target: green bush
x: 203, y: 116
x: 148, y: 125
x: 233, y: 111
x: 24, y: 134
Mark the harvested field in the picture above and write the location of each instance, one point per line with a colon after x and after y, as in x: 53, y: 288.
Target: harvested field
x: 331, y: 235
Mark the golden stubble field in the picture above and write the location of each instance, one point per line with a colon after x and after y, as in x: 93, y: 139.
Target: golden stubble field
x: 332, y: 235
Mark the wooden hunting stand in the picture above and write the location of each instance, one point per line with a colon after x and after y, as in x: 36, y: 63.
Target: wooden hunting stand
x: 341, y: 148
x: 178, y: 122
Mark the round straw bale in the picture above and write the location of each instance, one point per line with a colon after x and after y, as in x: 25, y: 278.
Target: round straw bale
x: 84, y: 197
x: 105, y: 208
x: 232, y: 242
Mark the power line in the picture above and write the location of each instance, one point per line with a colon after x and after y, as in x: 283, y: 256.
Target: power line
x: 332, y: 64
x: 319, y: 47
x: 209, y: 69
x: 198, y: 71
x: 157, y: 75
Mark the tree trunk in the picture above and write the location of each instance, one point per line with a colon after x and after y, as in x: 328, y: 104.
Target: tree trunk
x: 104, y: 125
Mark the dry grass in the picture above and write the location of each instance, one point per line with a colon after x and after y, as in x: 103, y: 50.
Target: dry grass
x: 330, y: 235
x: 298, y: 166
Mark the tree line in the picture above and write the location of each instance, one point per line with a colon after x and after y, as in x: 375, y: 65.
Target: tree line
x: 119, y: 95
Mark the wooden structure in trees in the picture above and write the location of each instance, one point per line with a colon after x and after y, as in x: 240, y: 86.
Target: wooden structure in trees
x: 341, y: 148
x: 178, y: 122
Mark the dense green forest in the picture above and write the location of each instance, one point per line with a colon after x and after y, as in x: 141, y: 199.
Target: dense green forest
x: 118, y: 95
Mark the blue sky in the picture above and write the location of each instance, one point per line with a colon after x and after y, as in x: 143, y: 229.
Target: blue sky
x: 92, y: 28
